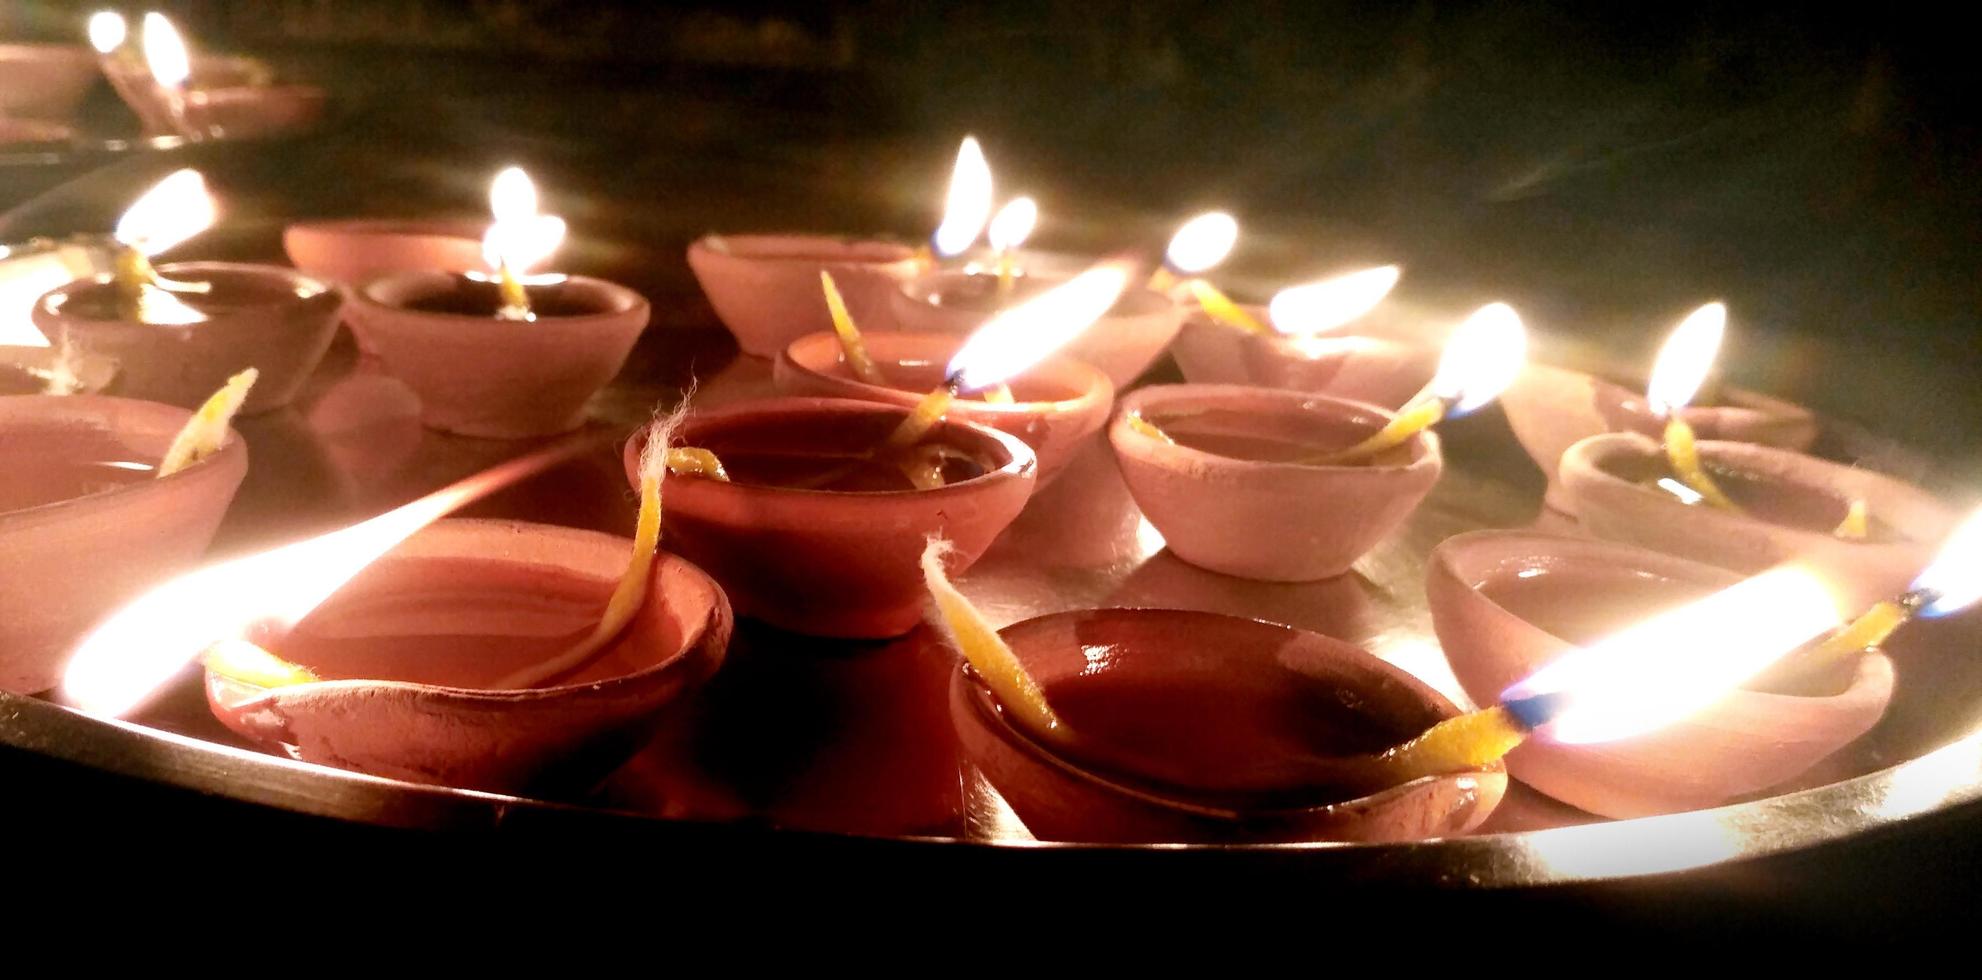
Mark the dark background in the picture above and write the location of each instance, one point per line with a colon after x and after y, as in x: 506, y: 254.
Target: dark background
x: 1603, y: 167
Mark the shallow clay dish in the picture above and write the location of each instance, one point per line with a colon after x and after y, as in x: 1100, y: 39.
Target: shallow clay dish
x: 1124, y: 343
x: 766, y: 288
x: 1357, y: 362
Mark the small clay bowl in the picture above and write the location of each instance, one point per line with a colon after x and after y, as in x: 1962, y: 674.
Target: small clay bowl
x: 256, y: 112
x: 352, y: 251
x: 1057, y: 404
x: 409, y: 647
x: 1349, y: 363
x: 267, y: 317
x: 1506, y: 603
x: 824, y: 562
x: 1793, y: 501
x: 80, y: 537
x: 1179, y: 706
x: 1123, y: 344
x: 25, y: 371
x: 134, y: 84
x: 1253, y: 517
x: 1552, y: 408
x: 499, y: 379
x: 766, y: 289
x: 44, y: 81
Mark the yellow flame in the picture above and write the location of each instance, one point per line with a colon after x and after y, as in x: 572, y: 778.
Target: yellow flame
x: 1685, y: 359
x: 1316, y: 307
x: 1481, y: 359
x: 968, y: 205
x: 107, y: 31
x: 1202, y: 242
x: 173, y: 210
x: 1016, y: 339
x: 165, y: 52
x: 1681, y: 661
x: 1956, y: 573
x: 521, y: 235
x: 1013, y: 223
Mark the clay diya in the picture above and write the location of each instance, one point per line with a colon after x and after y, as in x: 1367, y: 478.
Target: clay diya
x: 174, y: 91
x: 1507, y: 603
x: 267, y: 317
x: 411, y: 656
x: 1057, y: 404
x: 84, y: 524
x: 1365, y: 366
x: 1123, y: 343
x: 53, y: 371
x: 812, y: 533
x: 1790, y: 507
x: 1228, y: 492
x: 44, y: 81
x: 1194, y: 727
x: 353, y: 251
x: 765, y: 288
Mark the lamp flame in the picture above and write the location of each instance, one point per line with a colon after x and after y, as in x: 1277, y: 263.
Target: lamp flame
x: 107, y: 31
x: 165, y: 52
x: 1202, y: 242
x: 1483, y: 357
x: 1955, y: 575
x: 1685, y: 359
x: 1024, y: 335
x: 129, y: 656
x: 1316, y: 307
x: 173, y: 210
x: 1013, y: 224
x: 1680, y: 661
x: 968, y: 205
x: 521, y: 236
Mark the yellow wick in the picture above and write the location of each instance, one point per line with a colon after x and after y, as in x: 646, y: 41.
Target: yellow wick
x: 1162, y: 280
x: 1861, y: 634
x: 998, y: 395
x: 245, y: 663
x: 981, y: 646
x: 1457, y: 744
x: 1416, y: 418
x: 1856, y: 524
x: 857, y: 360
x: 690, y: 461
x: 514, y: 298
x: 1005, y: 271
x: 925, y: 258
x: 206, y: 432
x: 924, y: 417
x: 1144, y: 426
x: 1221, y: 308
x: 1684, y: 455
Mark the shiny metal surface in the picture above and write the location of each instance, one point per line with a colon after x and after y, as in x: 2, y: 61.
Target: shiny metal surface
x: 840, y: 739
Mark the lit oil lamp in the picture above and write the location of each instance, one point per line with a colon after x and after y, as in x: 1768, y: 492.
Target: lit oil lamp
x: 176, y: 93
x: 178, y: 331
x: 1200, y: 245
x: 492, y: 655
x: 43, y: 81
x: 1009, y: 229
x: 1552, y: 408
x: 507, y: 354
x: 100, y: 498
x: 1287, y: 486
x: 352, y: 251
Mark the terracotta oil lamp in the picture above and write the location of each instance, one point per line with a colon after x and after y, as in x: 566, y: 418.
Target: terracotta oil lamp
x: 765, y: 288
x: 1553, y: 408
x: 1192, y: 727
x: 353, y: 251
x: 505, y: 356
x: 1057, y: 404
x: 413, y: 661
x: 1123, y: 344
x: 44, y: 81
x: 197, y: 97
x: 1508, y: 603
x: 85, y: 523
x: 1286, y: 486
x: 811, y: 532
x: 179, y: 330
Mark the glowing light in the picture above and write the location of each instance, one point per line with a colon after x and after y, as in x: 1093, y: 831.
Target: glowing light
x: 1023, y: 335
x: 1315, y: 307
x: 107, y: 31
x: 1680, y: 661
x: 1483, y: 357
x: 1685, y: 359
x: 127, y: 658
x: 165, y: 52
x: 1202, y: 242
x: 1013, y: 224
x: 521, y: 236
x: 1955, y: 575
x: 1687, y: 495
x: 173, y: 210
x: 968, y: 205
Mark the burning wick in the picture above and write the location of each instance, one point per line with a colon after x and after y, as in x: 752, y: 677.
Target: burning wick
x: 1010, y: 227
x: 206, y: 432
x: 968, y: 205
x: 1857, y: 523
x: 521, y: 236
x: 172, y: 211
x: 844, y: 328
x: 1318, y: 307
x: 166, y: 55
x: 1483, y: 357
x: 1013, y: 341
x: 1950, y: 583
x: 973, y: 636
x: 1199, y: 245
x: 1681, y: 368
